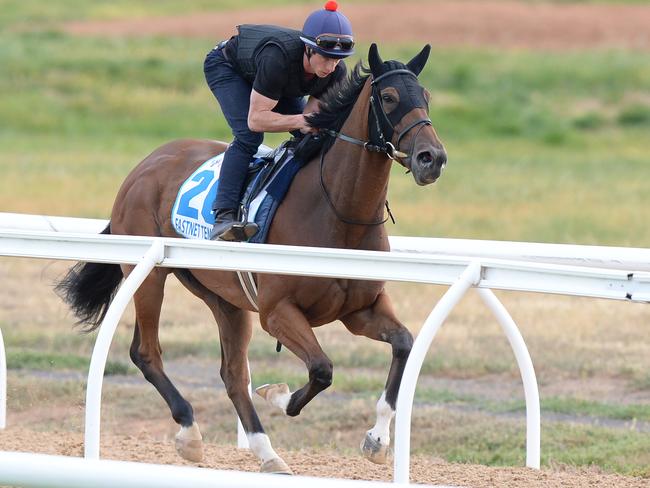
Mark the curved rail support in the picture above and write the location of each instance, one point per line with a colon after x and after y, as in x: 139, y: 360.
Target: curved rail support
x: 471, y: 276
x: 153, y: 256
x: 531, y: 392
x: 3, y: 383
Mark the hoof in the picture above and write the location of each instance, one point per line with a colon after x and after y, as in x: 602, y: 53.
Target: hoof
x: 189, y: 443
x: 373, y: 450
x: 277, y: 395
x: 275, y: 466
x: 269, y: 392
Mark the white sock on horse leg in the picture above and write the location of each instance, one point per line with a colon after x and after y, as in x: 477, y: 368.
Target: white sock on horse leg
x: 381, y: 431
x: 260, y: 444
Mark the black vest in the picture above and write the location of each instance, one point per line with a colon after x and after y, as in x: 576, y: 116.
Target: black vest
x: 252, y: 38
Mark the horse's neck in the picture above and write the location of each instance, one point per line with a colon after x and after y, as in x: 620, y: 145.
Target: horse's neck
x: 357, y: 179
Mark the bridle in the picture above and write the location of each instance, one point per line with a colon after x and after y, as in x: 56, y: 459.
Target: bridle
x: 384, y: 127
x: 383, y: 130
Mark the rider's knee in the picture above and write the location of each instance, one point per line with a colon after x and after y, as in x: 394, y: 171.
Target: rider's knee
x: 248, y: 141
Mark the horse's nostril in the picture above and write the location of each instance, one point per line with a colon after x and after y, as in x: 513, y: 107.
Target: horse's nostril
x: 425, y: 158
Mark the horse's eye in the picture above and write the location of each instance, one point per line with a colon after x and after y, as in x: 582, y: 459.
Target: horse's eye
x: 387, y: 98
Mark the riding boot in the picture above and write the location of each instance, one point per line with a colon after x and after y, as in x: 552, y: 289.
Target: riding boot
x: 228, y: 228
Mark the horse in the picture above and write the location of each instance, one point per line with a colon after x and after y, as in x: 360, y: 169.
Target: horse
x: 366, y: 122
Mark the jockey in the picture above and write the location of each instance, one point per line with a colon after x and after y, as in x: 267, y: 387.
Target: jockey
x: 259, y: 78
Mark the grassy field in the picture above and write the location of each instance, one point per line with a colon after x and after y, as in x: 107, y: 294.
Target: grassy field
x: 556, y: 152
x: 542, y: 146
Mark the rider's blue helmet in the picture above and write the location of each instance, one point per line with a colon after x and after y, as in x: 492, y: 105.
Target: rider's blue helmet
x: 328, y: 32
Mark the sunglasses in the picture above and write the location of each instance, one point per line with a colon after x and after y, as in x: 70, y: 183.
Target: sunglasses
x: 327, y: 41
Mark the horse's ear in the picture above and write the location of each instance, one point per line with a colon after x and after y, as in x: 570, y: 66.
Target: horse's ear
x: 374, y: 60
x: 417, y: 63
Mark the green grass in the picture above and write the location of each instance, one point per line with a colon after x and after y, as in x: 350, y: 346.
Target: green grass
x: 25, y: 393
x: 41, y: 360
x: 557, y: 146
x: 624, y: 452
x: 578, y: 406
x: 551, y: 404
x: 444, y: 396
x: 467, y: 439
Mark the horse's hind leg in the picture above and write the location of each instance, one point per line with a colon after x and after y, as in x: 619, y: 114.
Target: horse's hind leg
x: 379, y: 322
x: 146, y: 353
x: 235, y: 331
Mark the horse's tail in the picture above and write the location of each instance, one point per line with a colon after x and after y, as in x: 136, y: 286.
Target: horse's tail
x: 89, y: 289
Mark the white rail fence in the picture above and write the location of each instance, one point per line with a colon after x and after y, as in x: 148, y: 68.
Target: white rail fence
x: 621, y: 258
x: 614, y: 273
x: 45, y: 471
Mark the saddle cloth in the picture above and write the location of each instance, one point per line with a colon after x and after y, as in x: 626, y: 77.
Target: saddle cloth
x: 269, y: 178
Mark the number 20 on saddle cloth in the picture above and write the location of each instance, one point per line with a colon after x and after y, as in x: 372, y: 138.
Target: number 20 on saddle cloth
x: 269, y: 178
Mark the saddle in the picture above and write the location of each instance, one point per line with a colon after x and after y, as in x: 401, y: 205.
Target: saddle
x: 269, y: 180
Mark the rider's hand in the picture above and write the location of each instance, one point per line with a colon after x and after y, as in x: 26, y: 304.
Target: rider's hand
x: 306, y: 128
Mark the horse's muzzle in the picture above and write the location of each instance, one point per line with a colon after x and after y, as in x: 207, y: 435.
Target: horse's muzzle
x: 428, y: 165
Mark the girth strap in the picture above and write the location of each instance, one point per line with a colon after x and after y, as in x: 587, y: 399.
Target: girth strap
x: 249, y: 287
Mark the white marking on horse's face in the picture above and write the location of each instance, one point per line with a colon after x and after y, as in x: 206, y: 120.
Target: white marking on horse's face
x: 260, y: 444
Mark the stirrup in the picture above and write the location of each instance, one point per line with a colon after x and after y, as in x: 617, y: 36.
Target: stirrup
x: 238, y: 232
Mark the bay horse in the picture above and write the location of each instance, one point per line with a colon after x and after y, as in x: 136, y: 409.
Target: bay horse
x: 336, y: 200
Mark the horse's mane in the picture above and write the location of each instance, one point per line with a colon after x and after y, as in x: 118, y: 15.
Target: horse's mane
x: 336, y: 104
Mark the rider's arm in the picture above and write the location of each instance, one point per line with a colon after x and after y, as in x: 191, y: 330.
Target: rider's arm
x: 268, y: 87
x: 261, y: 117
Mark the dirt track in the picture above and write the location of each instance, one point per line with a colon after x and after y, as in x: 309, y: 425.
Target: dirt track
x: 441, y: 23
x: 312, y: 463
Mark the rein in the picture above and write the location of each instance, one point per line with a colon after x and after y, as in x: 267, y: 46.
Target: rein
x: 385, y: 147
x: 333, y: 207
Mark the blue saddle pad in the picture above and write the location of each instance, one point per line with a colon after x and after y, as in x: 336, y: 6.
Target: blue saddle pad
x: 192, y: 214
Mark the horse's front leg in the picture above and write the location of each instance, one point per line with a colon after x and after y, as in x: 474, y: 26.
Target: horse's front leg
x: 379, y: 322
x: 235, y: 331
x: 287, y: 323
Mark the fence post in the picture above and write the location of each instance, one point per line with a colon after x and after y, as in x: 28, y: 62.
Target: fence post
x: 153, y: 256
x: 471, y: 276
x: 527, y: 371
